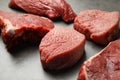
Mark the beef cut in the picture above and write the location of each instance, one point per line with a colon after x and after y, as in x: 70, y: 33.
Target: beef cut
x: 61, y: 48
x: 18, y: 28
x: 103, y: 66
x: 51, y: 8
x: 99, y: 26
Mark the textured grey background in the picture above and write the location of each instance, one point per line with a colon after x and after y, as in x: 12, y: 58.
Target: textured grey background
x: 25, y: 63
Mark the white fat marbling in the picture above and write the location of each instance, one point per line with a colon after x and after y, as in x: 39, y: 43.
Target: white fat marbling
x: 9, y: 27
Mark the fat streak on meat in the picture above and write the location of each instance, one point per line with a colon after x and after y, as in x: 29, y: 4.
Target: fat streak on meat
x: 18, y: 28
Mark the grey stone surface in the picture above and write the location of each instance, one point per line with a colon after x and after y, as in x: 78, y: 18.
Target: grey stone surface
x: 25, y: 63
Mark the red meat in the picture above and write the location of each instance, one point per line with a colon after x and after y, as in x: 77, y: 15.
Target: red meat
x: 99, y: 26
x: 19, y: 28
x: 51, y: 8
x: 103, y: 66
x: 61, y: 48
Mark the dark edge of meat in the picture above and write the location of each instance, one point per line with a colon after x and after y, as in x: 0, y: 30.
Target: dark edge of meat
x: 13, y: 5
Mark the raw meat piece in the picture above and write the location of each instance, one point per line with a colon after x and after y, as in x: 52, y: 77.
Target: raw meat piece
x: 18, y: 28
x: 103, y: 66
x: 99, y: 26
x: 61, y: 48
x: 51, y: 8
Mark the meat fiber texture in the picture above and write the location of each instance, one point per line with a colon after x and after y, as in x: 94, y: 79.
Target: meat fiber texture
x: 51, y: 8
x: 103, y: 66
x: 61, y: 48
x: 19, y: 28
x: 99, y: 26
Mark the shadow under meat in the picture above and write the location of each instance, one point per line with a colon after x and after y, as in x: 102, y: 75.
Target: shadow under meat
x: 19, y: 50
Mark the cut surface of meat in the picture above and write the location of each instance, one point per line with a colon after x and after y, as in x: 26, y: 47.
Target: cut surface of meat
x: 103, y: 66
x: 51, y: 8
x: 99, y: 26
x: 18, y: 28
x: 61, y: 48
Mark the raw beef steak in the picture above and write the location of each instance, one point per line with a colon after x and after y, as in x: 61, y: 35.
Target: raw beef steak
x: 51, y: 8
x: 99, y: 26
x: 61, y: 48
x: 18, y: 28
x: 103, y: 66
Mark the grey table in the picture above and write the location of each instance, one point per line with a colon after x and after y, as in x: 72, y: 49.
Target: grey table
x: 25, y: 63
